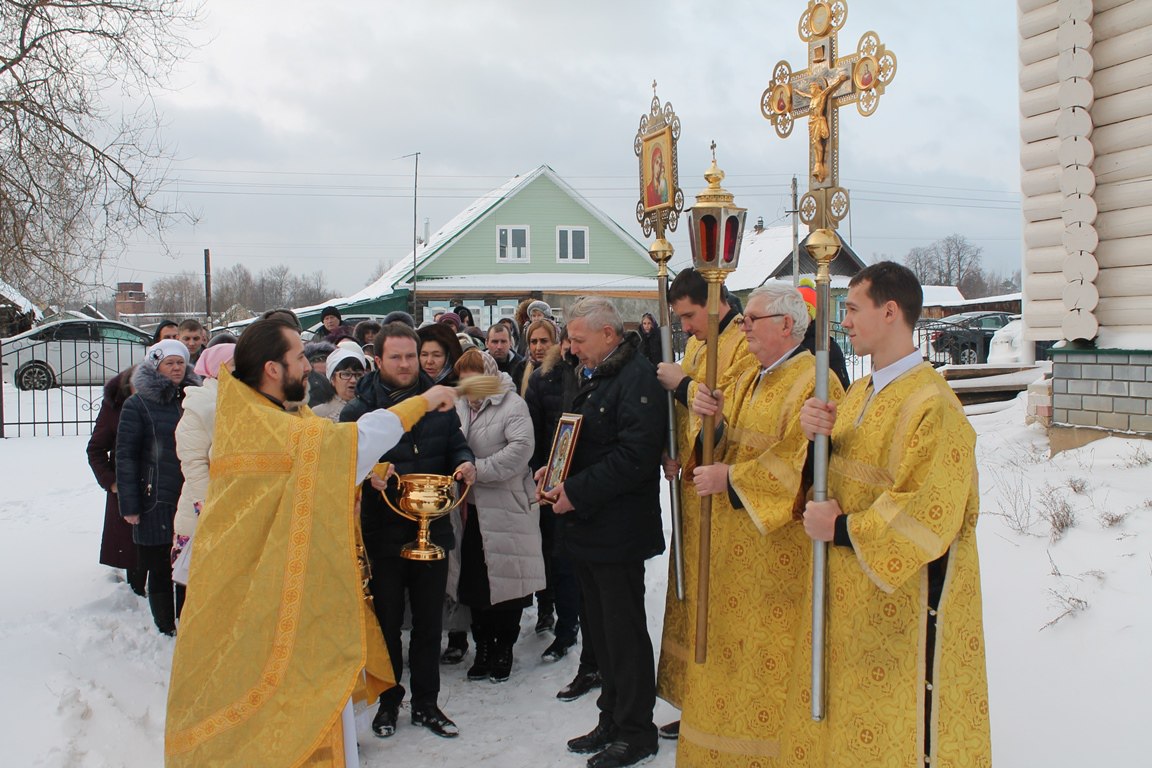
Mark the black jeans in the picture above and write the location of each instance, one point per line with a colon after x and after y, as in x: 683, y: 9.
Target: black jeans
x: 615, y: 622
x: 165, y: 599
x: 424, y: 583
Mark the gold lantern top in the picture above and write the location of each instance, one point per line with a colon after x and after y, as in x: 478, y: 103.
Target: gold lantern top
x: 717, y: 224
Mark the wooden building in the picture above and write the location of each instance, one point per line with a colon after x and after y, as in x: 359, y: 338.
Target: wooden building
x: 1086, y: 161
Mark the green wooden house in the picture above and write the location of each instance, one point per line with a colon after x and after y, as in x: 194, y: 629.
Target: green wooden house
x: 534, y: 236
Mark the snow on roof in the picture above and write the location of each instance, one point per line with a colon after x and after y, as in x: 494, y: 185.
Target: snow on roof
x: 1121, y: 337
x: 21, y: 301
x: 943, y: 296
x: 965, y: 302
x: 760, y: 254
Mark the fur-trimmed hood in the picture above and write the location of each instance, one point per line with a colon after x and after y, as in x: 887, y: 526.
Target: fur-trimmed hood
x: 318, y: 347
x: 153, y: 386
x: 620, y: 357
x: 554, y: 356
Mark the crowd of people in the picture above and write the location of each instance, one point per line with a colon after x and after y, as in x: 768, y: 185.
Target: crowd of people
x: 231, y: 463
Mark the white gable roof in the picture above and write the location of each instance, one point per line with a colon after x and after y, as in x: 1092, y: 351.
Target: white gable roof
x: 399, y: 274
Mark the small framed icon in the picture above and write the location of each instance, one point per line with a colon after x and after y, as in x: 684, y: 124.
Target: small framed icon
x: 563, y: 449
x: 780, y: 100
x: 864, y: 73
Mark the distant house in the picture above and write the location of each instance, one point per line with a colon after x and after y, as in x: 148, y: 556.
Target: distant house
x: 766, y: 254
x: 17, y: 313
x: 533, y: 236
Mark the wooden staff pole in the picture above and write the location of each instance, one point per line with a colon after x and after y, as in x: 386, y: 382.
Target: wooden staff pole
x: 715, y: 280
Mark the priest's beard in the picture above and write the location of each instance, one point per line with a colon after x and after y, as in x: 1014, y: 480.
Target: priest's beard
x: 296, y: 391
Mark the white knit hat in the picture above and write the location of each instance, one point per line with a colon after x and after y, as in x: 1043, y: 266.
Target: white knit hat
x: 340, y: 355
x: 162, y: 349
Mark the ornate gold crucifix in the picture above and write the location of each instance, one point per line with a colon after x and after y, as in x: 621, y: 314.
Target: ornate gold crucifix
x: 817, y: 93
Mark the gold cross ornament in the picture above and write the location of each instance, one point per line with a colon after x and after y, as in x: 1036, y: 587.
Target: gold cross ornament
x: 829, y: 82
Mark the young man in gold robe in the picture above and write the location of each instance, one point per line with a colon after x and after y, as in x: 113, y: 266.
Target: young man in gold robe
x: 688, y: 299
x: 906, y: 682
x: 734, y: 704
x: 276, y: 634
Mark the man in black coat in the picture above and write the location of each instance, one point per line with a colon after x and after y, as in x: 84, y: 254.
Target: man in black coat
x: 437, y: 446
x: 609, y: 524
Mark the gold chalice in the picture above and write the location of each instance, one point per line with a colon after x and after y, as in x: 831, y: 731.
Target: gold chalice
x: 424, y: 498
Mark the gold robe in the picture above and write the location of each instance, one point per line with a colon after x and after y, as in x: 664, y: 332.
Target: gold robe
x: 903, y: 468
x: 734, y: 709
x: 676, y: 645
x: 276, y: 633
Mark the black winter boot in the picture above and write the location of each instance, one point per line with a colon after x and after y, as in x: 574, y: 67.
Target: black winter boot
x: 501, y: 668
x: 481, y: 667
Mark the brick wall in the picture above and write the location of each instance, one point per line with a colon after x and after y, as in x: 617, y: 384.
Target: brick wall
x: 1107, y: 389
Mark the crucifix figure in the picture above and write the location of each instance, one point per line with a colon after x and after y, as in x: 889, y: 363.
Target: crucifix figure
x: 829, y: 82
x: 818, y: 132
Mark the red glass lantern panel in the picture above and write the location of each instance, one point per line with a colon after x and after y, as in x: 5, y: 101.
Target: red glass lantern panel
x: 731, y: 238
x: 707, y: 239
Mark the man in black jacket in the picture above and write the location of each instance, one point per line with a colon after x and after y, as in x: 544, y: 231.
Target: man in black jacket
x: 609, y: 524
x: 437, y: 446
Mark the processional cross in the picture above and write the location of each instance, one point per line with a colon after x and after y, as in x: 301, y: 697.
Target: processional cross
x: 829, y: 82
x: 817, y: 93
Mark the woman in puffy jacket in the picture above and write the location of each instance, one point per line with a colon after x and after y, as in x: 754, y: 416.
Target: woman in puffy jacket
x: 500, y: 564
x: 148, y: 475
x: 194, y: 448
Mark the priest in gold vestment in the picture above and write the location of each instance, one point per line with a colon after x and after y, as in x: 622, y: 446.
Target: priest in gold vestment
x: 688, y: 299
x: 906, y: 681
x: 276, y: 634
x: 734, y: 704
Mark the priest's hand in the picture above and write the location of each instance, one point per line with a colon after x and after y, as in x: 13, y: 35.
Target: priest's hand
x: 710, y: 479
x: 708, y: 403
x: 670, y: 375
x: 440, y: 398
x: 465, y: 472
x: 817, y: 417
x: 671, y: 467
x: 820, y: 519
x: 558, y: 498
x: 132, y: 519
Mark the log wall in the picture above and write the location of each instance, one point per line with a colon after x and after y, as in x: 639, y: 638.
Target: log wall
x: 1086, y: 161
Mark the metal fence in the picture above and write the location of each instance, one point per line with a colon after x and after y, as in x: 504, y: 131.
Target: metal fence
x: 55, y: 386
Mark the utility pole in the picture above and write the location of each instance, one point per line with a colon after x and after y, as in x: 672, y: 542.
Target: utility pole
x: 208, y: 285
x: 795, y: 235
x: 415, y: 189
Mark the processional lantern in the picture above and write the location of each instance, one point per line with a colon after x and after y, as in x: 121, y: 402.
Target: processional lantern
x: 716, y: 231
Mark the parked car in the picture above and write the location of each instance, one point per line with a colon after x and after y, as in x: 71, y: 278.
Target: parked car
x: 1006, y: 343
x: 72, y: 353
x: 965, y: 338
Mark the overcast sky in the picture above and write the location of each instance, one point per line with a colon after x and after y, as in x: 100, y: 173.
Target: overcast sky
x: 290, y: 120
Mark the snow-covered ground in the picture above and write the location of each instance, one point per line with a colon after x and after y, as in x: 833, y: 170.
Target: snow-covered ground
x: 1068, y: 623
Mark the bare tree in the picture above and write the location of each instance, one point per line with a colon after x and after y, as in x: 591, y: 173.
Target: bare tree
x: 951, y: 261
x: 77, y: 175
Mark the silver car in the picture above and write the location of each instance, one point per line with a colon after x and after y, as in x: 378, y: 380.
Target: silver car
x: 71, y: 353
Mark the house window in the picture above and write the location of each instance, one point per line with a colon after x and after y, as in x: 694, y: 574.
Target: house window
x: 513, y: 244
x: 571, y: 244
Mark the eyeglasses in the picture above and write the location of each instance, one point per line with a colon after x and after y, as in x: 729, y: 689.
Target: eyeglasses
x: 349, y: 375
x: 750, y: 320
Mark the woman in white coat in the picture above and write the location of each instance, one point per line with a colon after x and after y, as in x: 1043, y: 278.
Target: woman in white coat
x: 194, y: 448
x: 500, y: 564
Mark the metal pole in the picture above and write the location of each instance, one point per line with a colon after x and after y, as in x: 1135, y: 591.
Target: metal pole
x: 661, y: 253
x: 715, y: 279
x: 208, y: 286
x: 823, y: 244
x: 415, y: 189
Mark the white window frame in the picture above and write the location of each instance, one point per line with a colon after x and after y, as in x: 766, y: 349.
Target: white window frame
x: 527, y: 243
x: 567, y: 230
